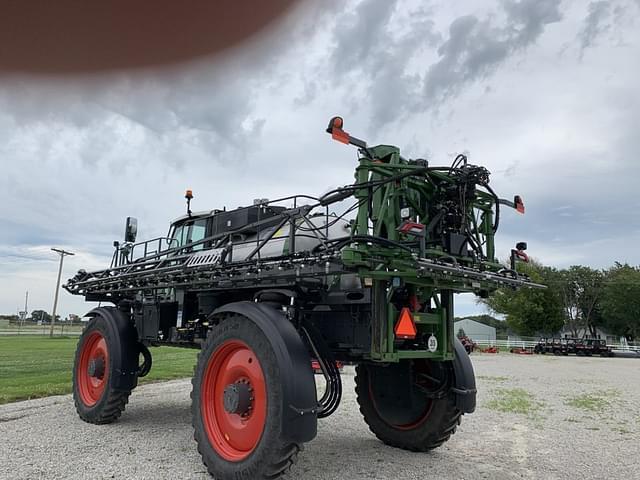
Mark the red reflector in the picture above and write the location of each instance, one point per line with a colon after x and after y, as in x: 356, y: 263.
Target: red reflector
x: 340, y: 135
x: 405, y: 328
x: 411, y: 227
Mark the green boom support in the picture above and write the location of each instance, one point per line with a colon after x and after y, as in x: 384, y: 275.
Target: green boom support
x: 450, y: 210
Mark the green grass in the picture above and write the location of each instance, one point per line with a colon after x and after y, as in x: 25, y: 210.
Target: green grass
x: 32, y: 367
x: 515, y: 400
x: 593, y: 402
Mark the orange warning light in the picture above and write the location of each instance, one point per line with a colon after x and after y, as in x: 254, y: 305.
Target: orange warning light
x: 405, y: 329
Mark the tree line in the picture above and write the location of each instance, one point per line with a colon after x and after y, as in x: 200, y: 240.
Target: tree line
x: 578, y: 298
x: 36, y: 316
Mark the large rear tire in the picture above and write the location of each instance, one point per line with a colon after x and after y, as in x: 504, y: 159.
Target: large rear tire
x: 237, y: 406
x: 397, y: 410
x: 95, y: 399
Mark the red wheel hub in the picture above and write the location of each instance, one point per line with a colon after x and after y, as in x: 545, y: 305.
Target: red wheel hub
x: 92, y: 374
x: 233, y: 400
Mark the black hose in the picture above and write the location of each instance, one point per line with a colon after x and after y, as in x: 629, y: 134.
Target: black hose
x: 496, y: 221
x: 330, y: 401
x: 393, y: 178
x: 145, y: 368
x: 340, y: 242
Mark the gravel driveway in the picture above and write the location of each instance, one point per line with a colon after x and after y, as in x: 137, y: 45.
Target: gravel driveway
x: 538, y: 417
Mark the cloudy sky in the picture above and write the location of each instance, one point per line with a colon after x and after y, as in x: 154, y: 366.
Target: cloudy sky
x: 545, y: 93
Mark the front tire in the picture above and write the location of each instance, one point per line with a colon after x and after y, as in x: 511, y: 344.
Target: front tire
x: 394, y: 405
x: 95, y: 399
x: 237, y: 404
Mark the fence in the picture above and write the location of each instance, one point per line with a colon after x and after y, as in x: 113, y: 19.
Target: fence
x: 64, y: 329
x: 60, y: 329
x: 509, y: 343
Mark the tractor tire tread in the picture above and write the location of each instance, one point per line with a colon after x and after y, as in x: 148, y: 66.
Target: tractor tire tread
x: 282, y: 455
x: 113, y: 402
x: 114, y: 407
x: 447, y: 424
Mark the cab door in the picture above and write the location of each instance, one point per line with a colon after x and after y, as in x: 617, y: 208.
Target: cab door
x: 190, y: 231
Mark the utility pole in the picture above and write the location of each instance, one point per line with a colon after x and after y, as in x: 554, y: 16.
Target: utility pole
x: 62, y: 254
x: 22, y: 315
x: 26, y: 299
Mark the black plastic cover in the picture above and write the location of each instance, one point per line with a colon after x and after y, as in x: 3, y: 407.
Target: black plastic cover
x: 125, y: 352
x: 299, y: 399
x: 235, y: 219
x: 465, y: 387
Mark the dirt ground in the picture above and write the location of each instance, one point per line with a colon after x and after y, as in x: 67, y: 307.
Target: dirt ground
x: 538, y: 417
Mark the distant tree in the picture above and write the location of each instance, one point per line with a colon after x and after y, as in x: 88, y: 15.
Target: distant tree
x: 40, y: 315
x: 530, y: 311
x: 620, y: 303
x: 582, y: 289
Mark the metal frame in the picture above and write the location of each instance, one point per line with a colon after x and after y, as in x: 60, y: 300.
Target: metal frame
x: 377, y: 250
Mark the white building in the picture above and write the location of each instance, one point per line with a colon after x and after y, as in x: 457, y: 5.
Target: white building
x: 476, y: 331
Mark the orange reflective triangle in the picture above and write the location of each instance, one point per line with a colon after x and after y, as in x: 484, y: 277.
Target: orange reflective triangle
x: 405, y: 328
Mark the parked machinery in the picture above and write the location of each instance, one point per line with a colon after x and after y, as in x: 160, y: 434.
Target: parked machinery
x: 575, y: 346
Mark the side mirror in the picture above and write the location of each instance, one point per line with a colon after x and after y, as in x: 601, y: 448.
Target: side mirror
x: 131, y: 230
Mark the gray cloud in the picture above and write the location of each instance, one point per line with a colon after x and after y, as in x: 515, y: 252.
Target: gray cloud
x: 614, y: 20
x: 358, y: 36
x: 199, y: 107
x: 475, y: 48
x: 377, y: 47
x: 594, y: 24
x: 373, y: 48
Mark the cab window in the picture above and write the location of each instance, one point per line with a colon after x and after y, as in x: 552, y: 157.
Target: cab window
x: 189, y: 232
x: 197, y: 232
x: 179, y: 234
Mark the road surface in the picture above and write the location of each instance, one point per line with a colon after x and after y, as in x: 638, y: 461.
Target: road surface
x: 560, y: 433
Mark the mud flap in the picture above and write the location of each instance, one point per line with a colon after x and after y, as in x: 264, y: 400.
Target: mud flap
x: 300, y: 421
x: 465, y: 386
x: 125, y: 350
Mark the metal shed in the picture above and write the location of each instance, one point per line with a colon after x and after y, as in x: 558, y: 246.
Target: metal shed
x: 478, y: 332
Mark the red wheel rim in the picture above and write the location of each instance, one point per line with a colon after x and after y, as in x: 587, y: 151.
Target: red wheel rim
x: 91, y: 379
x: 233, y: 436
